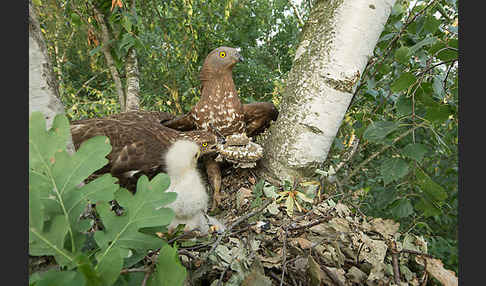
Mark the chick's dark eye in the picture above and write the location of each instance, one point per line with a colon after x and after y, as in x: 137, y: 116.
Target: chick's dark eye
x: 222, y: 54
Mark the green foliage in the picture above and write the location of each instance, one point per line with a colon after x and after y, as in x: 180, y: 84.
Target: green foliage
x: 171, y: 39
x: 411, y: 82
x: 169, y: 269
x: 58, y: 198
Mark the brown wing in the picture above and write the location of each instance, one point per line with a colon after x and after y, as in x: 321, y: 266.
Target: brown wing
x: 134, y: 146
x: 139, y: 144
x: 258, y: 116
x: 182, y: 123
x: 142, y: 115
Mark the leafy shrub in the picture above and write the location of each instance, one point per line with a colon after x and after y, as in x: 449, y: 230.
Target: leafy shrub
x: 58, y: 198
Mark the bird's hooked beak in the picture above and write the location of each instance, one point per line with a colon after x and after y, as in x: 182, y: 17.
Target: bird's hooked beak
x: 239, y: 57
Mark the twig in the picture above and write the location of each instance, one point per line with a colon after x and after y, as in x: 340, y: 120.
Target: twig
x: 311, y: 224
x: 275, y: 276
x: 141, y: 269
x: 359, y: 252
x: 186, y: 233
x: 447, y: 75
x: 416, y: 253
x: 237, y: 222
x: 224, y: 271
x: 435, y: 65
x: 186, y: 253
x: 299, y: 18
x: 378, y: 153
x: 396, y: 270
x: 284, y: 254
x: 145, y: 278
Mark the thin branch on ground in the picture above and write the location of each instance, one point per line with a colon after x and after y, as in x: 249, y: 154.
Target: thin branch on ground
x: 237, y: 222
x: 284, y: 254
x: 396, y: 270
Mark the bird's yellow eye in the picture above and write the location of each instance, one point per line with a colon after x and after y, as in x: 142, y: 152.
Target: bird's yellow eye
x: 222, y: 54
x: 204, y: 144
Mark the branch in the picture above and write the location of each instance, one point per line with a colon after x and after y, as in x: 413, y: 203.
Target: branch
x: 297, y: 14
x: 105, y: 38
x: 378, y: 153
x: 237, y: 222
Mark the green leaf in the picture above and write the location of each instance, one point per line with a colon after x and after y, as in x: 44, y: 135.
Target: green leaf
x: 289, y: 205
x: 433, y: 190
x: 404, y: 105
x: 258, y: 188
x: 109, y: 269
x: 427, y: 208
x: 405, y: 80
x: 50, y: 240
x: 144, y: 209
x: 402, y: 55
x: 425, y: 42
x: 377, y: 131
x: 431, y: 24
x: 95, y: 50
x: 437, y: 113
x: 415, y: 151
x: 86, y: 268
x: 54, y: 277
x: 270, y: 192
x: 54, y: 176
x: 401, y: 208
x: 44, y: 144
x: 383, y: 197
x: 393, y: 169
x: 169, y: 271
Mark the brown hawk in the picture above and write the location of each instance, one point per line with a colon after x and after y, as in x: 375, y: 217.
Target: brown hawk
x: 138, y: 140
x: 220, y: 110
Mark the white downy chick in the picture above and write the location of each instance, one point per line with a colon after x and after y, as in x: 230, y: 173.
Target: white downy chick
x: 185, y: 180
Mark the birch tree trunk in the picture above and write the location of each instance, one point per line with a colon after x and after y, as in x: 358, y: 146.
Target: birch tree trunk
x: 43, y: 85
x: 337, y: 41
x: 133, y: 86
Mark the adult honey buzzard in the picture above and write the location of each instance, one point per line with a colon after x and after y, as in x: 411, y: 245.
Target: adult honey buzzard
x: 220, y: 110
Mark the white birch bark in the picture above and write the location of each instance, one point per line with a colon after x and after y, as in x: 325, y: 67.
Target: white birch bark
x: 43, y: 85
x: 336, y: 43
x: 133, y: 85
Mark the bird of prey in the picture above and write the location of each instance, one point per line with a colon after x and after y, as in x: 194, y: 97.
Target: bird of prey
x: 192, y: 200
x: 138, y: 140
x: 220, y: 110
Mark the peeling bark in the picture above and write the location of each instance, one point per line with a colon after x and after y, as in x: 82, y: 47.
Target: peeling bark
x: 133, y: 85
x: 43, y: 85
x: 105, y: 41
x: 337, y: 41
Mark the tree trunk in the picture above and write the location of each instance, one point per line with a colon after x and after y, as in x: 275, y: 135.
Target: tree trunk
x: 336, y: 43
x: 105, y: 41
x: 43, y: 85
x: 133, y: 85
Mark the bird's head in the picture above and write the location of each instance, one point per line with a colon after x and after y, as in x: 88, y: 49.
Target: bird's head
x: 182, y: 156
x: 221, y: 60
x: 206, y: 141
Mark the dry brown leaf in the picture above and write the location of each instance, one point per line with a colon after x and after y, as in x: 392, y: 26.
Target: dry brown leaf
x: 386, y: 227
x: 435, y: 267
x: 303, y: 243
